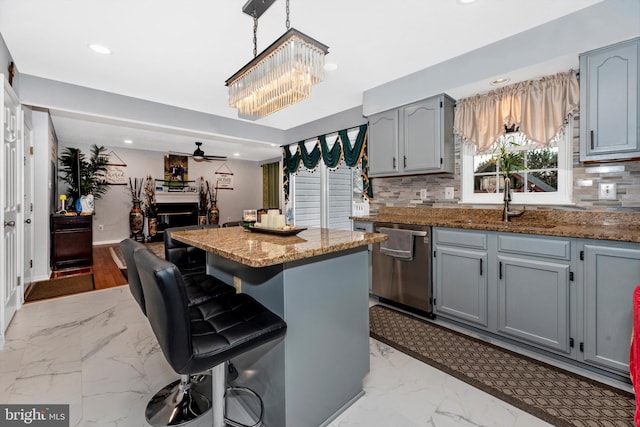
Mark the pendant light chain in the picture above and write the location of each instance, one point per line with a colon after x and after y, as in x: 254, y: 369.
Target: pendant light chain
x: 255, y: 33
x: 288, y: 22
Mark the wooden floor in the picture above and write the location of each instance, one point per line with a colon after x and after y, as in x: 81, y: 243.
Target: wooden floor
x: 106, y: 273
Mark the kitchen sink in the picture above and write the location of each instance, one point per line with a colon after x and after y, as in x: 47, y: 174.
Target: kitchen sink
x: 503, y: 224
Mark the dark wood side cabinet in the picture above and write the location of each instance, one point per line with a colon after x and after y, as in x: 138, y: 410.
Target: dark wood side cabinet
x: 71, y: 241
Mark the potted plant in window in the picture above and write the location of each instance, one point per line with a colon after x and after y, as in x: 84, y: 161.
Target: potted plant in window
x: 509, y: 161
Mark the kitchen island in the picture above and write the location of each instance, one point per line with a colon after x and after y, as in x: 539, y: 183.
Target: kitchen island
x: 317, y: 281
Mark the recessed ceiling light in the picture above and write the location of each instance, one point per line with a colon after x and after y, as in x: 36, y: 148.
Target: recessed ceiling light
x: 98, y: 48
x: 273, y: 145
x: 500, y: 81
x: 330, y: 66
x: 128, y: 141
x: 236, y: 154
x: 466, y: 1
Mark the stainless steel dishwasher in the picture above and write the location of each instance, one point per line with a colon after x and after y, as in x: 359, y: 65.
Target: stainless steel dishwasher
x: 406, y: 282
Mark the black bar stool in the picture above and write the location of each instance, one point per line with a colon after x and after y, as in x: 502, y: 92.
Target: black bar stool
x: 199, y: 287
x: 198, y: 338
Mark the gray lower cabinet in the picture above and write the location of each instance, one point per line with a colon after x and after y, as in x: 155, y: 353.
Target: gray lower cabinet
x: 611, y: 273
x: 610, y: 102
x: 533, y: 301
x: 533, y: 290
x: 460, y: 276
x: 571, y: 297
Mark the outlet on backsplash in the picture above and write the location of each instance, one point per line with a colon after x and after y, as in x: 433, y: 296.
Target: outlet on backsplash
x: 448, y: 193
x: 423, y: 194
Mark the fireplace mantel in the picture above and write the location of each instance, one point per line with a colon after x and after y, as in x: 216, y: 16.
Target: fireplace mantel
x: 176, y: 197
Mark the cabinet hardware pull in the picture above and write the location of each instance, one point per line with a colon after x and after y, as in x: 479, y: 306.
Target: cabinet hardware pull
x: 592, y: 143
x: 481, y: 266
x: 27, y: 221
x: 405, y: 161
x: 394, y: 162
x: 500, y: 270
x: 9, y: 223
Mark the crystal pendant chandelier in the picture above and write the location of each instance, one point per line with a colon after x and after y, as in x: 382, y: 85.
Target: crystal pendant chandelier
x: 281, y: 75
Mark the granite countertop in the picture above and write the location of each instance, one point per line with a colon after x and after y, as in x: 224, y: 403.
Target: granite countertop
x: 255, y: 249
x: 618, y: 226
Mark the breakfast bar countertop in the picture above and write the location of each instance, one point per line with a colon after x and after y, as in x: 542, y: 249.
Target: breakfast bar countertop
x: 262, y: 250
x: 616, y: 226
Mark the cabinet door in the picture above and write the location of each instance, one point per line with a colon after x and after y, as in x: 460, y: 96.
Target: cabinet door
x: 611, y: 275
x: 461, y: 284
x: 609, y: 98
x: 383, y: 144
x: 533, y: 301
x: 421, y: 136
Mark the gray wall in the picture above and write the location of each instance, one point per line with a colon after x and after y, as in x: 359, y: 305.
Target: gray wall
x: 112, y: 211
x: 5, y: 60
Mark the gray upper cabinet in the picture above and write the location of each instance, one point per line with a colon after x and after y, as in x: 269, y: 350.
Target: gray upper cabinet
x: 609, y: 97
x: 413, y: 139
x: 383, y: 143
x: 611, y: 274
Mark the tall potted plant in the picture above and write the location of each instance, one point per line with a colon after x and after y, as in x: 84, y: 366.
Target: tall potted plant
x: 84, y: 175
x: 203, y: 202
x: 214, y: 212
x: 151, y: 207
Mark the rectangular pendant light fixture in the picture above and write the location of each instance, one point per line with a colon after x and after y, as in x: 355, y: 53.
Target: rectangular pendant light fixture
x: 281, y: 75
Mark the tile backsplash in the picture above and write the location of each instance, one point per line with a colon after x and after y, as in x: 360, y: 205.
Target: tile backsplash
x: 405, y: 191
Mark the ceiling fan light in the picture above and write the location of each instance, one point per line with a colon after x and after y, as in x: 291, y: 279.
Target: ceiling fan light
x: 198, y: 154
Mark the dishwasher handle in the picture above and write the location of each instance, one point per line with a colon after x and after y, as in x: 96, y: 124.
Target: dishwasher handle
x: 415, y: 233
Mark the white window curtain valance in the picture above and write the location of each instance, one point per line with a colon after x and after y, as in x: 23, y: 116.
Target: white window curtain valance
x: 539, y: 108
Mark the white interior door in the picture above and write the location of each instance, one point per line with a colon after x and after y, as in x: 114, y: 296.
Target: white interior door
x: 10, y: 197
x: 27, y: 204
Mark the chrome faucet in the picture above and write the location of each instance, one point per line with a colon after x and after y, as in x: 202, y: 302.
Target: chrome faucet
x: 506, y: 214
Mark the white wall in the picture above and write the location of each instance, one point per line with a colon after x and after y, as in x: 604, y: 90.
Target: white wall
x: 112, y: 211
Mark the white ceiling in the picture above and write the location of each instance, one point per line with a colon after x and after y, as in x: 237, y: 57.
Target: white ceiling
x: 181, y: 53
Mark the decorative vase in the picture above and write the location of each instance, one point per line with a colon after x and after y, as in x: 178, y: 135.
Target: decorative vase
x: 214, y: 214
x: 136, y: 220
x: 152, y: 224
x: 202, y: 220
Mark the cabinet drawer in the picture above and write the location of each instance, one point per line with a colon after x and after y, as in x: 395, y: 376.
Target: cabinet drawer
x: 62, y: 223
x: 467, y: 239
x: 542, y: 247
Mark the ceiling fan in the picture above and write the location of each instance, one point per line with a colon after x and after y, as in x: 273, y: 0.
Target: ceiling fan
x: 198, y: 155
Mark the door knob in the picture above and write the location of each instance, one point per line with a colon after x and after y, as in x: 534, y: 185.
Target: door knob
x: 9, y: 223
x: 28, y: 220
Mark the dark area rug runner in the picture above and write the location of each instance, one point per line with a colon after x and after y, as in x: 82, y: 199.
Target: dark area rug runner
x: 62, y: 286
x: 559, y: 397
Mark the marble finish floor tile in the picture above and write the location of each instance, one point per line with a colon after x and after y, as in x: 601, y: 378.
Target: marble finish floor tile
x: 96, y: 352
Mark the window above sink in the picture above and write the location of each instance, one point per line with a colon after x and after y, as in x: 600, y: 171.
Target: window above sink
x: 545, y: 181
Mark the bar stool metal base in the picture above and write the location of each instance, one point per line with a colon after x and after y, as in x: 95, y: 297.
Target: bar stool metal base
x: 180, y: 402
